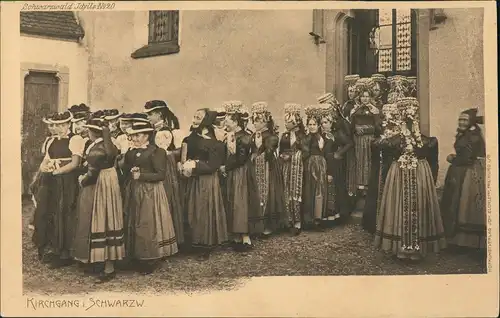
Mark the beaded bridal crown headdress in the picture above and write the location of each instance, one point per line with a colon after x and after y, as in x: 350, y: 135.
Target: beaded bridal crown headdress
x: 260, y: 110
x: 314, y: 111
x: 350, y: 80
x: 293, y: 109
x: 365, y: 83
x: 233, y: 106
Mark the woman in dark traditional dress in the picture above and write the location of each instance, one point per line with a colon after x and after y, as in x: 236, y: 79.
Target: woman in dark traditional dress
x: 378, y: 90
x: 293, y: 152
x: 366, y: 124
x: 149, y: 231
x: 265, y: 141
x: 350, y: 103
x: 57, y: 192
x: 317, y: 169
x: 99, y: 222
x: 164, y: 122
x: 338, y: 205
x: 241, y: 184
x: 204, y: 202
x: 463, y: 204
x: 409, y: 224
x: 381, y: 162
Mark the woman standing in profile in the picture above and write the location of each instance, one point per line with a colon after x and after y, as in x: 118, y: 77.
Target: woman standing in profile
x: 57, y: 192
x: 317, y: 172
x: 267, y: 169
x: 204, y: 202
x: 293, y: 152
x: 164, y: 122
x: 463, y: 204
x: 241, y: 184
x: 99, y: 222
x: 409, y: 224
x: 149, y: 231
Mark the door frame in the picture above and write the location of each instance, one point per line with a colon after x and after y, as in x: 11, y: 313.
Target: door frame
x: 60, y: 71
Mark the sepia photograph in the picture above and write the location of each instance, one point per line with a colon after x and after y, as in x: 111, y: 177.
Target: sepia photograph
x: 185, y: 150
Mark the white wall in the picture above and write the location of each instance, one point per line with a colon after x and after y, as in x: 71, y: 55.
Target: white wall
x: 245, y: 55
x: 456, y: 79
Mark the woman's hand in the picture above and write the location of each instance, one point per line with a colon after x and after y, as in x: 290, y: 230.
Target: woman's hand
x: 450, y: 157
x: 136, y: 173
x: 80, y: 179
x: 222, y: 169
x: 56, y: 172
x: 330, y: 179
x: 179, y: 167
x: 337, y: 156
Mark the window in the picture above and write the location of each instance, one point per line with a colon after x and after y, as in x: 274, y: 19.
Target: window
x: 163, y: 37
x: 383, y: 41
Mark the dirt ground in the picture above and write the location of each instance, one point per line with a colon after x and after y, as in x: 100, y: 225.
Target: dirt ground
x: 342, y: 250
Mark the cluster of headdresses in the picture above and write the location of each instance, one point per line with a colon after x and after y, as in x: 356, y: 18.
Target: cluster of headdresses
x: 115, y: 187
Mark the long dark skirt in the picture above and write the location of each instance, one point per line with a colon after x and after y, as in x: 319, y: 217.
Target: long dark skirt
x: 363, y: 153
x: 338, y: 201
x: 409, y: 223
x: 149, y: 231
x: 99, y: 234
x: 315, y: 189
x: 55, y: 212
x: 172, y: 189
x: 271, y: 195
x: 205, y: 211
x: 242, y: 198
x: 293, y: 173
x: 463, y: 205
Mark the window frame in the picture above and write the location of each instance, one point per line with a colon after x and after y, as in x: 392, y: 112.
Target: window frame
x: 158, y: 48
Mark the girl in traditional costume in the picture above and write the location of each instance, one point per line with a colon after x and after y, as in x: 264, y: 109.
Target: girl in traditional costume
x: 378, y: 90
x: 164, y: 122
x: 409, y: 224
x: 265, y: 141
x: 241, y: 184
x: 382, y: 159
x: 352, y: 94
x: 338, y: 204
x: 149, y: 231
x: 57, y: 192
x: 366, y: 124
x: 463, y: 204
x: 99, y: 236
x: 204, y: 202
x: 317, y: 171
x: 293, y: 152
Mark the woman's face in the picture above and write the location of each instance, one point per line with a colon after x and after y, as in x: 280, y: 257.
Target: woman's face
x: 290, y: 124
x: 138, y: 139
x: 125, y: 125
x: 52, y: 129
x: 62, y: 129
x: 365, y: 98
x: 377, y: 91
x: 312, y: 125
x: 78, y: 127
x: 463, y: 123
x: 351, y: 92
x: 231, y: 124
x: 154, y: 117
x: 326, y: 124
x: 93, y: 135
x: 259, y: 124
x: 113, y: 124
x: 198, y: 118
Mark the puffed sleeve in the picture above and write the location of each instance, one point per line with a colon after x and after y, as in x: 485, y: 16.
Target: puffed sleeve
x: 159, y: 162
x: 163, y: 139
x: 77, y: 145
x: 242, y: 154
x: 215, y: 159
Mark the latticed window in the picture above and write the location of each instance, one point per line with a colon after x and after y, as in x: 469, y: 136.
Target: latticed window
x: 163, y: 27
x: 384, y: 41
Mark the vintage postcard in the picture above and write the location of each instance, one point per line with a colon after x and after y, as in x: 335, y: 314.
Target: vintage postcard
x: 249, y: 158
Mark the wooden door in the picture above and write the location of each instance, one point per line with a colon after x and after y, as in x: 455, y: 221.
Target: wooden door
x: 41, y: 91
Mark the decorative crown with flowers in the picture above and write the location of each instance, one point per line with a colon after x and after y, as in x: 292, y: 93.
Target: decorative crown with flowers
x: 232, y: 107
x: 365, y: 83
x: 292, y: 109
x: 327, y: 111
x: 328, y: 98
x: 314, y: 111
x: 408, y: 110
x: 379, y: 78
x: 350, y: 80
x: 259, y: 107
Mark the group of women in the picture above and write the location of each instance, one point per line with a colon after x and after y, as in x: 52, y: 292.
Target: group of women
x: 115, y: 187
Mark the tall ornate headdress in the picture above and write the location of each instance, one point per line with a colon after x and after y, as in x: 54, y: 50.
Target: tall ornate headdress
x: 328, y: 98
x: 314, y: 111
x: 260, y: 110
x: 379, y: 79
x: 327, y: 111
x: 391, y: 122
x: 365, y: 83
x: 398, y: 88
x: 292, y: 112
x: 232, y: 107
x: 408, y: 108
x: 350, y: 80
